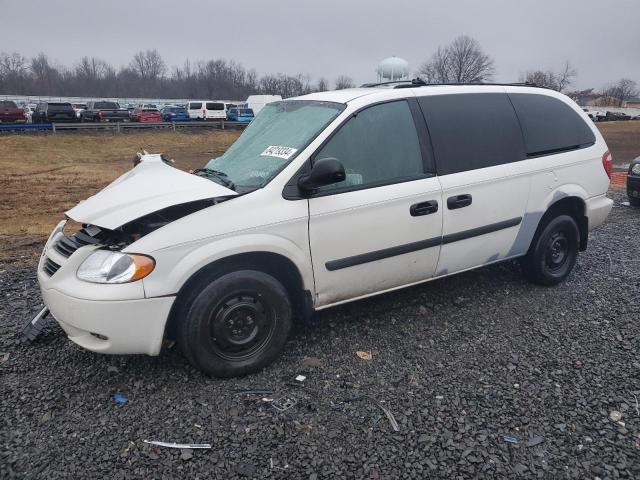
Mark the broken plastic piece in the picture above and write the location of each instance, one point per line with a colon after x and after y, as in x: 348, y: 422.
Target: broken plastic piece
x: 120, y: 399
x: 510, y: 439
x: 535, y: 440
x: 301, y: 378
x: 284, y: 403
x: 615, y: 416
x: 364, y: 355
x: 34, y: 328
x: 178, y: 445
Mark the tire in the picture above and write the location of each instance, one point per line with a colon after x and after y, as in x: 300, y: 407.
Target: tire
x: 633, y: 201
x: 237, y: 324
x: 553, y: 251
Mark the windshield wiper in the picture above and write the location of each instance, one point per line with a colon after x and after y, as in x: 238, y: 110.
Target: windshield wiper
x: 210, y: 172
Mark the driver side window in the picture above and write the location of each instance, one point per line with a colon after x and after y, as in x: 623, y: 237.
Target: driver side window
x: 378, y: 146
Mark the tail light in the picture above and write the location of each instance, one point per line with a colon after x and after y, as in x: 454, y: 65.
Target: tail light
x: 101, y: 114
x: 607, y: 163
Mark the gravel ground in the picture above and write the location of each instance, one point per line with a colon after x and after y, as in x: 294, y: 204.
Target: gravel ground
x: 486, y: 376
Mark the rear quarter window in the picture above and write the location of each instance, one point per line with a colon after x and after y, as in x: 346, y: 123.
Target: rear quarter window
x: 472, y: 130
x: 549, y: 125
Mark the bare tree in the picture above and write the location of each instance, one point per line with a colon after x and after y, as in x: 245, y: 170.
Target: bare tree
x: 558, y: 81
x: 343, y: 82
x: 463, y: 61
x: 616, y: 95
x: 323, y: 85
x: 148, y: 65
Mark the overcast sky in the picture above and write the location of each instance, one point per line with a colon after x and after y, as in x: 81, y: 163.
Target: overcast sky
x: 332, y: 37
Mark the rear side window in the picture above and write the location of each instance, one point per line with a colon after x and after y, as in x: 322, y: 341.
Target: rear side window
x: 549, y: 125
x: 60, y: 107
x: 377, y: 146
x: 215, y: 106
x: 472, y: 130
x: 195, y: 106
x: 7, y: 104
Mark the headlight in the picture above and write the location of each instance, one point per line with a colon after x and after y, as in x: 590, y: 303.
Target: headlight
x: 636, y: 169
x: 104, y: 266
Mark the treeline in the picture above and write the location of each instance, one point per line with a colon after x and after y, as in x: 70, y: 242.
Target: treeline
x: 147, y: 75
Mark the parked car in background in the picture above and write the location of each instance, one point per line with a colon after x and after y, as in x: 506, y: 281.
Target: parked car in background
x: 306, y: 211
x: 175, y: 114
x: 104, y: 111
x: 146, y: 115
x: 79, y: 108
x: 11, y: 113
x: 595, y: 115
x: 28, y: 112
x: 207, y: 110
x: 147, y: 105
x: 238, y: 114
x: 633, y: 182
x: 47, y: 112
x: 257, y: 102
x: 615, y: 116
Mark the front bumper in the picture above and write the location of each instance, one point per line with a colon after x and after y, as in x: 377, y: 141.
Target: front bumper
x: 117, y: 327
x: 597, y: 210
x: 633, y: 186
x: 115, y: 319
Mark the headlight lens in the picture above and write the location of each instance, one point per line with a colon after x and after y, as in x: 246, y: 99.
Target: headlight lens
x: 104, y: 266
x: 636, y: 169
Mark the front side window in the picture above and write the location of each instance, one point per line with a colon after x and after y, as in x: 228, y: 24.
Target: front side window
x: 271, y: 141
x: 377, y: 146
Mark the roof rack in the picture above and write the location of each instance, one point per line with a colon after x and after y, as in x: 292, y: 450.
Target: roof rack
x: 418, y: 82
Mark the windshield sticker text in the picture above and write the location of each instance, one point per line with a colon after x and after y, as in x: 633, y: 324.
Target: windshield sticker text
x: 280, y: 152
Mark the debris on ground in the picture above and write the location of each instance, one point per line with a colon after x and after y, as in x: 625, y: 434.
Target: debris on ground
x: 510, y: 439
x: 4, y: 357
x: 181, y: 446
x: 364, y: 355
x: 186, y: 454
x: 311, y: 362
x: 283, y: 403
x: 387, y: 412
x: 534, y: 440
x: 300, y: 378
x: 615, y: 416
x: 34, y: 327
x: 255, y: 391
x: 120, y: 399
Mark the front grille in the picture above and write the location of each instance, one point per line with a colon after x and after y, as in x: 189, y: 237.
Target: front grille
x: 70, y: 243
x: 50, y: 267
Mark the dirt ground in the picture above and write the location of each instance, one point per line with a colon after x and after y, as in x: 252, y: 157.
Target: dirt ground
x: 44, y: 175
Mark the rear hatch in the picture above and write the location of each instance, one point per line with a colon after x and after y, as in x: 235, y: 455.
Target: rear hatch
x: 60, y: 111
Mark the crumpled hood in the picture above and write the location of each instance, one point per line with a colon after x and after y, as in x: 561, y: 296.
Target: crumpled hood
x: 152, y: 185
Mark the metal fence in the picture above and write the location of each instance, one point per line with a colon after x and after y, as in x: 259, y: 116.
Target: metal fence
x: 118, y: 126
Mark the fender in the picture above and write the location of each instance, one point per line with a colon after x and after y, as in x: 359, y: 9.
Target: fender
x: 186, y: 260
x: 534, y: 214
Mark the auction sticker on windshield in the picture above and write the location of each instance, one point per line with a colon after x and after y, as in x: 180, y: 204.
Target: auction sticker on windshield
x: 278, y: 151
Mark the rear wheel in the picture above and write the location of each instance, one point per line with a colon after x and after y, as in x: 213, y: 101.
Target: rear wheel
x: 634, y: 201
x: 237, y: 324
x: 553, y: 252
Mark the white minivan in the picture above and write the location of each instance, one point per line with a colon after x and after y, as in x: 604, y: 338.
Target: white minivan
x: 325, y: 199
x: 206, y: 110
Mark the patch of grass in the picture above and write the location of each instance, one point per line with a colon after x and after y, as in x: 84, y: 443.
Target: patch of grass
x: 45, y: 175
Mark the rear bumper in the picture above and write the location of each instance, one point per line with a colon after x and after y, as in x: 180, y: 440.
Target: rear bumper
x: 597, y: 209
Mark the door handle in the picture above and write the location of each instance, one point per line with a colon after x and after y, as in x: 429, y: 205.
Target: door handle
x: 423, y: 208
x: 459, y: 201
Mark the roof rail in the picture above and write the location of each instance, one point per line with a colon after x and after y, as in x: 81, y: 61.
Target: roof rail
x: 418, y: 82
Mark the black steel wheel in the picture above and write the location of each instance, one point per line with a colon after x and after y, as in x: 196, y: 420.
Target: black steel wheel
x: 553, y: 252
x: 237, y: 324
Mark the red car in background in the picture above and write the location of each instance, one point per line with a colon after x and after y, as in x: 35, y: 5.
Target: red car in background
x: 10, y: 113
x: 146, y: 115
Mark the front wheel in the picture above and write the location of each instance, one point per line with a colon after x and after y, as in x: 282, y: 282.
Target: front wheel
x: 553, y: 252
x: 237, y: 324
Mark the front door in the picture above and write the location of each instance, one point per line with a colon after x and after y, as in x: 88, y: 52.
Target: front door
x: 381, y: 227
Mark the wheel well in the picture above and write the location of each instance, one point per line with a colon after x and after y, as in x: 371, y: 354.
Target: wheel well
x: 575, y: 208
x: 278, y: 266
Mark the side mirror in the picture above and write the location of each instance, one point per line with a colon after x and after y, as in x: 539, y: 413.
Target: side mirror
x: 324, y: 172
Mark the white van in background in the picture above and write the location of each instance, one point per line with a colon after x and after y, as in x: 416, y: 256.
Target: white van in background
x: 257, y: 102
x: 207, y: 110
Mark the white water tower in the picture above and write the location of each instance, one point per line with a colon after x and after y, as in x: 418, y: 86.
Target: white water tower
x: 393, y: 69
